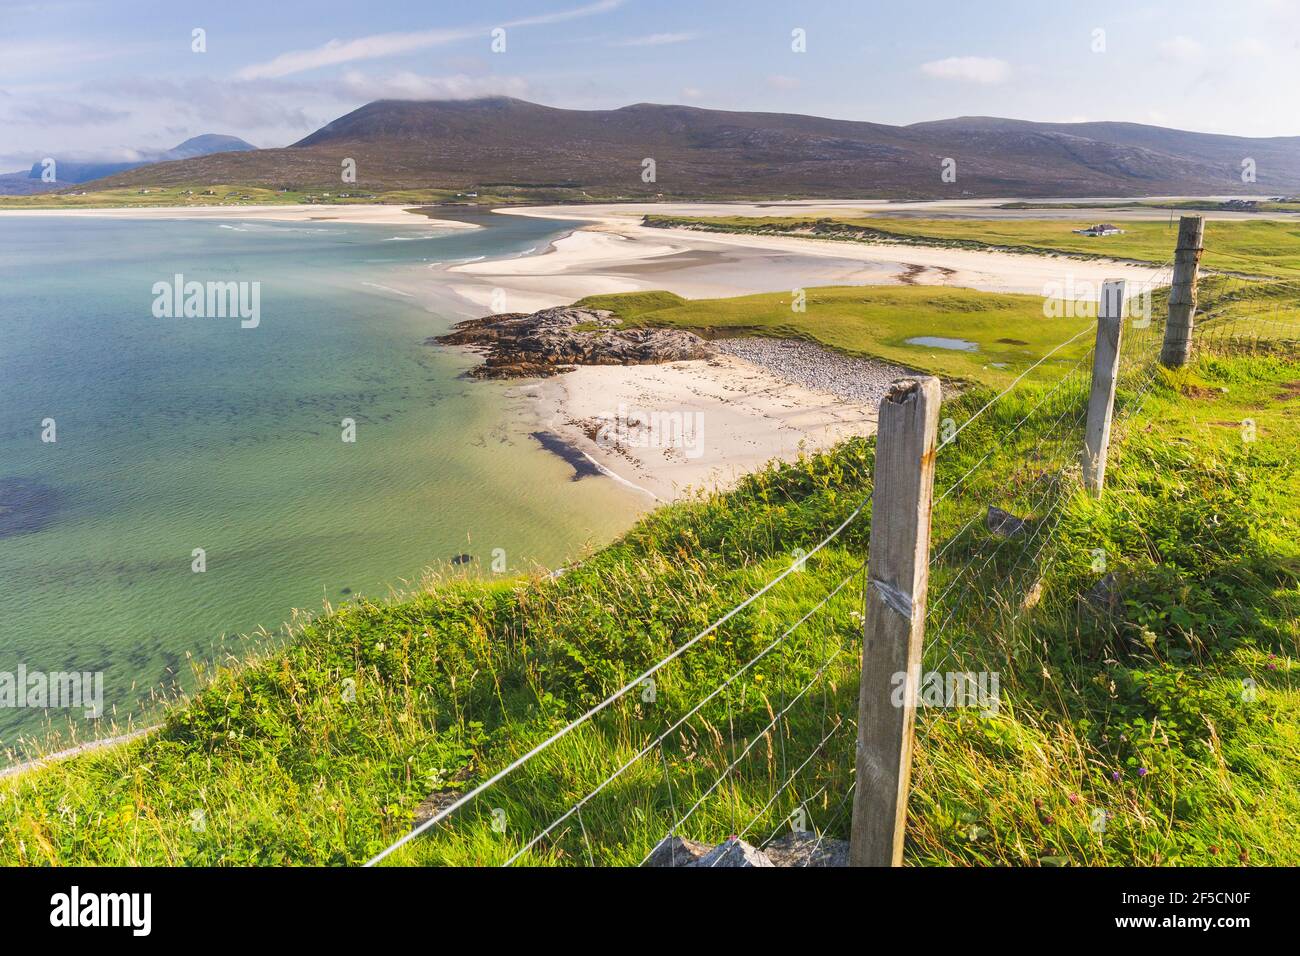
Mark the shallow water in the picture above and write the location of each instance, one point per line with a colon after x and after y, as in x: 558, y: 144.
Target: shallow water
x: 940, y: 342
x: 178, y: 434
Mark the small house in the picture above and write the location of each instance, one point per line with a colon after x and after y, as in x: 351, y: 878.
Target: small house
x: 1101, y: 229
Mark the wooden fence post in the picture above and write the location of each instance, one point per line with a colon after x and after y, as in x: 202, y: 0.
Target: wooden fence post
x: 1101, y: 399
x: 1177, y: 347
x: 898, y: 572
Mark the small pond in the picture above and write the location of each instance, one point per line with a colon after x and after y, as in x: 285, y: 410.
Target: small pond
x: 939, y: 342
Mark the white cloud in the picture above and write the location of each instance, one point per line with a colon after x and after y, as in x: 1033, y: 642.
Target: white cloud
x: 969, y: 69
x: 396, y: 44
x: 415, y: 86
x: 692, y: 93
x: 779, y: 81
x: 1182, y: 49
x: 656, y: 39
x: 57, y: 112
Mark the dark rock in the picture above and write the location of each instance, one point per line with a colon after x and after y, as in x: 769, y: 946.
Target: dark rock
x: 461, y: 558
x: 519, y: 345
x: 676, y: 851
x: 733, y: 852
x: 807, y: 849
x: 793, y: 849
x: 1004, y: 524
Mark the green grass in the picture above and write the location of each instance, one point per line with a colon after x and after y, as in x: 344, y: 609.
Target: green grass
x: 225, y: 194
x: 1257, y: 248
x: 1207, y: 205
x: 877, y: 321
x: 321, y: 752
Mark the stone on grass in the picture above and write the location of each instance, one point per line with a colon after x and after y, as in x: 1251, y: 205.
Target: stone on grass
x: 733, y: 852
x: 807, y: 849
x: 676, y: 851
x: 1004, y: 524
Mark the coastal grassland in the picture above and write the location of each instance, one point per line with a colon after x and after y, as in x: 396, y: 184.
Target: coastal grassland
x: 229, y: 195
x: 1010, y: 331
x: 1265, y: 248
x: 327, y: 749
x: 1184, y: 205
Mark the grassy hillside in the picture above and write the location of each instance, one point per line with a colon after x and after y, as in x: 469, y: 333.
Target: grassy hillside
x: 326, y: 750
x: 1264, y: 248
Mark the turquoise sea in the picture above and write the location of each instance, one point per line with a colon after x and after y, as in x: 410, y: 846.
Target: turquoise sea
x: 174, y: 434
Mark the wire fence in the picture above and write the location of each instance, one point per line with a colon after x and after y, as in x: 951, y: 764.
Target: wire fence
x: 747, y: 727
x: 649, y: 761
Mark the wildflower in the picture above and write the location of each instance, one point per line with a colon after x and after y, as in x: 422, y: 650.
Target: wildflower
x: 1142, y: 771
x: 1115, y: 776
x: 1074, y: 798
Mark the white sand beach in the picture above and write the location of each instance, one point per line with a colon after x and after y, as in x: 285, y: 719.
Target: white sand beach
x: 748, y: 414
x: 615, y: 253
x: 363, y: 213
x: 669, y: 430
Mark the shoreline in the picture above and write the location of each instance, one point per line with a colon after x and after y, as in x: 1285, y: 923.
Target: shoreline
x: 632, y: 250
x: 748, y: 413
x: 374, y: 214
x: 672, y: 430
x: 762, y: 409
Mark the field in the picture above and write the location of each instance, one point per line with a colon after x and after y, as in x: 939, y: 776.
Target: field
x: 877, y: 321
x: 1184, y: 205
x: 1264, y: 249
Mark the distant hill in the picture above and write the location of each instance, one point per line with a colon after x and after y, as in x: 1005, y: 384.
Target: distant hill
x: 68, y: 171
x: 501, y: 143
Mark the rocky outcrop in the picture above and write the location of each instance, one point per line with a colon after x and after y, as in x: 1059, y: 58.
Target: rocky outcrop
x: 523, y: 345
x: 791, y: 850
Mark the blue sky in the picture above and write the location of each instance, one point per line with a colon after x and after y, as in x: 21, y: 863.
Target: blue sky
x: 100, y: 79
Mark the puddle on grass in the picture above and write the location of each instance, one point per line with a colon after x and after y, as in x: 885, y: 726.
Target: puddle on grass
x: 939, y: 342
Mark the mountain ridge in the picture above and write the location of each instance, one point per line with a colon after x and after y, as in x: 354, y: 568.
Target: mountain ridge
x: 76, y: 172
x: 706, y: 153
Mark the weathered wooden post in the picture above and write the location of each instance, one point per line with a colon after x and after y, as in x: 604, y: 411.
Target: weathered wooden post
x: 1101, y: 399
x: 1177, y: 347
x: 898, y: 572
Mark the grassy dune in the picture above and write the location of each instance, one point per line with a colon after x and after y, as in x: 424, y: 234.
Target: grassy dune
x: 323, y: 751
x: 1188, y: 205
x: 1265, y: 248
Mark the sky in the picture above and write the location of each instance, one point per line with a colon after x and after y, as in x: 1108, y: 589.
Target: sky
x: 104, y: 80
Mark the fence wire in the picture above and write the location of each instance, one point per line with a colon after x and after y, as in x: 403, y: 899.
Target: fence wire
x: 712, y: 740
